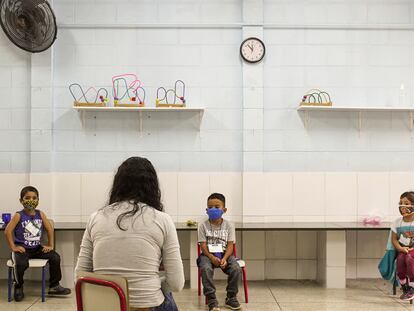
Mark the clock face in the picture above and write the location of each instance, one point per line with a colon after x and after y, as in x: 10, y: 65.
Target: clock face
x: 252, y: 50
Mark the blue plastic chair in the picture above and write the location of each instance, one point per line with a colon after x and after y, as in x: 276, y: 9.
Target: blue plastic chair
x: 33, y: 263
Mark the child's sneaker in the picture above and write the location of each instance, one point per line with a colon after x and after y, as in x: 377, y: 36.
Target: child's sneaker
x: 213, y: 304
x: 403, y: 295
x: 59, y: 290
x: 409, y: 295
x: 232, y: 303
x: 18, y: 293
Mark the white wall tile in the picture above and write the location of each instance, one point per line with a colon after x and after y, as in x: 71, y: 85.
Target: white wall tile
x: 336, y: 277
x: 253, y: 97
x: 230, y: 185
x: 371, y: 244
x: 11, y: 185
x: 193, y: 190
x: 65, y: 243
x: 95, y: 191
x: 341, y: 194
x: 254, y: 245
x: 281, y: 244
x: 309, y: 193
x: 255, y: 270
x: 373, y: 194
x: 368, y: 268
x: 254, y: 193
x: 184, y: 240
x: 45, y: 184
x: 169, y: 192
x: 351, y: 268
x: 253, y: 140
x: 306, y: 269
x: 279, y: 193
x: 351, y: 244
x: 253, y: 119
x: 335, y: 249
x: 280, y: 269
x: 306, y: 245
x: 67, y: 196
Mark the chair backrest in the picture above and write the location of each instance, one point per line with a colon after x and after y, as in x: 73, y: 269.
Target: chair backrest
x: 96, y: 292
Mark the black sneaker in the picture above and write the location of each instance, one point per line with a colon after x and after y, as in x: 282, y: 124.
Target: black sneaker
x: 18, y: 293
x: 405, y: 288
x: 232, y: 303
x: 213, y: 305
x: 59, y: 290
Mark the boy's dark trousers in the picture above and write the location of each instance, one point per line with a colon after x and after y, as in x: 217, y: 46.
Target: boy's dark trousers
x: 21, y: 262
x: 232, y: 269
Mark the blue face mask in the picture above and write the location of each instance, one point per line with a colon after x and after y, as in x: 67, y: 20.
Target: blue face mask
x: 214, y: 213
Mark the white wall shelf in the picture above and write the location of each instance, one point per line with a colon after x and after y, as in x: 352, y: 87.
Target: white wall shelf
x: 359, y: 110
x: 140, y: 110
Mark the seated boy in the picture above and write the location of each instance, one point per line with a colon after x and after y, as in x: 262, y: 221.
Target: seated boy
x: 24, y: 233
x: 216, y: 237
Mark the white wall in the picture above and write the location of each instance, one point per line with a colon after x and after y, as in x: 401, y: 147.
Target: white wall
x: 14, y: 108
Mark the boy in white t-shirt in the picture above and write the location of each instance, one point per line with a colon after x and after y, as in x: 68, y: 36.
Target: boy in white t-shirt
x: 216, y: 237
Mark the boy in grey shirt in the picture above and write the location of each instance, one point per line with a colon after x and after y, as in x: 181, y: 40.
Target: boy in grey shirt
x: 216, y: 237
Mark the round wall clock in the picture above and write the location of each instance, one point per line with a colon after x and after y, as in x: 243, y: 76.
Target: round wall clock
x: 252, y: 50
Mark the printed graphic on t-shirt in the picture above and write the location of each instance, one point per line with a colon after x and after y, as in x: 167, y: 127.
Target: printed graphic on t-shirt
x: 32, y: 232
x: 218, y: 237
x: 409, y: 235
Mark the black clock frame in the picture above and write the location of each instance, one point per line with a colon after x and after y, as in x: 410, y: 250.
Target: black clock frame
x: 254, y: 61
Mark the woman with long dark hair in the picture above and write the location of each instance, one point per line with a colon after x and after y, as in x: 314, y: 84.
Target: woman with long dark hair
x: 132, y: 236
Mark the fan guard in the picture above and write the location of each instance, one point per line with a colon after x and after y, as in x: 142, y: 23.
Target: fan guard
x: 29, y: 24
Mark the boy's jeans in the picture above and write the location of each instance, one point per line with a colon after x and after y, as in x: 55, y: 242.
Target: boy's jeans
x: 232, y: 269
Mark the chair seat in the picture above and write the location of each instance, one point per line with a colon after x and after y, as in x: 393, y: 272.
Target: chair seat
x: 241, y: 263
x: 33, y: 263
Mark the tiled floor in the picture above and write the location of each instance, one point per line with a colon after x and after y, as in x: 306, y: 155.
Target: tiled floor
x: 364, y: 295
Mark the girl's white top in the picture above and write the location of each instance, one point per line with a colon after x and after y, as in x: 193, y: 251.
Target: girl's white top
x: 150, y: 239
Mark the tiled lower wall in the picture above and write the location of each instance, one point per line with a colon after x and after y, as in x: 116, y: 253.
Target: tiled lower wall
x: 251, y: 196
x: 268, y: 255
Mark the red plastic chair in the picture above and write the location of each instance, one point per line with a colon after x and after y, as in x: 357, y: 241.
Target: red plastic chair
x: 242, y: 266
x: 96, y: 296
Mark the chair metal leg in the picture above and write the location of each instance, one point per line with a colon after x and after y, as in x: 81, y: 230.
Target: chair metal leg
x: 199, y: 282
x: 43, y: 284
x: 9, y: 284
x: 246, y: 292
x: 199, y: 285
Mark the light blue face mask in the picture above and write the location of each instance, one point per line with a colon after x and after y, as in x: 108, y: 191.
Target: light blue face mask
x: 214, y: 213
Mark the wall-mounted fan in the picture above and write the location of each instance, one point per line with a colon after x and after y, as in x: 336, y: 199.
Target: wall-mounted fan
x: 29, y: 24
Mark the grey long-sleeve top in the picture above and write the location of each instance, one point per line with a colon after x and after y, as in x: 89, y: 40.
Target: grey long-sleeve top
x: 150, y: 238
